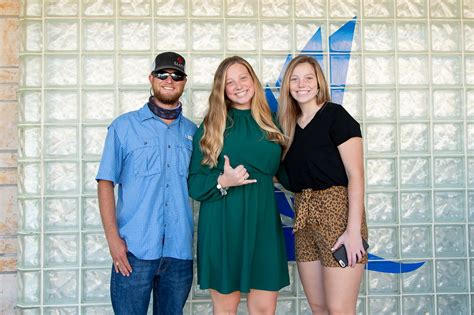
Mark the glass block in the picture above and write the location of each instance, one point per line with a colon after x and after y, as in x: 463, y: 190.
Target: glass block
x: 270, y: 8
x: 62, y: 177
x: 201, y: 308
x: 207, y: 36
x: 285, y: 307
x: 98, y: 8
x: 353, y: 73
x: 98, y: 70
x: 352, y: 102
x: 200, y: 101
x: 381, y: 173
x: 343, y: 8
x: 449, y: 206
x: 315, y: 8
x: 90, y: 213
x: 384, y: 305
x: 380, y: 138
x: 29, y: 178
x: 61, y: 141
x: 31, y: 8
x: 414, y: 138
x: 468, y: 36
x: 470, y: 103
x: 444, y: 8
x: 413, y: 104
x: 471, y: 248
x: 98, y: 35
x: 134, y: 35
x: 31, y: 36
x: 62, y: 35
x: 412, y: 70
x: 29, y: 108
x: 470, y: 172
x: 344, y: 45
x: 468, y: 9
x: 134, y: 70
x: 61, y: 8
x: 470, y: 137
x: 411, y: 8
x: 384, y: 242
x: 134, y: 7
x: 445, y: 70
x: 378, y: 9
x: 61, y: 213
x: 445, y: 36
x: 28, y: 310
x: 271, y: 68
x: 378, y: 36
x: 379, y: 70
x: 61, y: 105
x: 448, y: 172
x: 29, y: 140
x: 61, y: 287
x: 104, y: 112
x: 132, y: 100
x: 203, y: 69
x: 447, y: 104
x: 171, y: 7
x: 241, y: 8
x: 98, y: 310
x: 382, y: 207
x: 448, y: 138
x: 449, y: 240
x: 241, y: 36
x: 416, y: 241
x: 275, y: 36
x: 412, y: 36
x: 67, y: 310
x: 93, y: 139
x: 206, y: 8
x: 418, y: 304
x: 470, y: 207
x: 61, y: 250
x: 379, y: 104
x: 360, y: 306
x: 90, y: 169
x: 469, y: 69
x: 96, y: 285
x: 28, y: 66
x: 171, y: 35
x: 304, y: 308
x: 453, y: 304
x: 95, y: 249
x: 61, y: 70
x: 29, y: 288
x: 383, y: 283
x: 30, y: 219
x: 29, y: 250
x: 304, y: 33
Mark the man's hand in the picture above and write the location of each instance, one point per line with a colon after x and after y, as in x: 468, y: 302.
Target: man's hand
x: 118, y: 251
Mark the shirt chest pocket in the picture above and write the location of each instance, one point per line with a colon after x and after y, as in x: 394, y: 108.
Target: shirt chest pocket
x: 185, y: 150
x: 147, y: 158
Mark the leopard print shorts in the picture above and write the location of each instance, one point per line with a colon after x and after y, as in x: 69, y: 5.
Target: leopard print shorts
x: 321, y: 217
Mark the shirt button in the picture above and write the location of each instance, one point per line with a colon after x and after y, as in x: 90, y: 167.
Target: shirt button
x: 167, y: 185
x: 145, y: 143
x: 169, y: 146
x: 166, y: 204
x: 167, y: 165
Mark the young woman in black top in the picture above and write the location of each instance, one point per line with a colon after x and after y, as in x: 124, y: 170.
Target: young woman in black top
x: 324, y: 164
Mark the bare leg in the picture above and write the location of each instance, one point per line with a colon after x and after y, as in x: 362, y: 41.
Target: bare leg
x: 311, y: 275
x: 262, y: 302
x: 225, y: 304
x: 341, y: 286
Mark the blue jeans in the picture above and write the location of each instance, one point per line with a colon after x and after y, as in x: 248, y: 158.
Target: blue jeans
x: 170, y: 280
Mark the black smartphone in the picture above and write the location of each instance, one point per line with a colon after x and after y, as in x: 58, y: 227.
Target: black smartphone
x: 341, y: 256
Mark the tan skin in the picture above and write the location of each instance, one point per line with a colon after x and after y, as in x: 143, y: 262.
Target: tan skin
x: 105, y: 190
x: 240, y: 89
x: 322, y: 285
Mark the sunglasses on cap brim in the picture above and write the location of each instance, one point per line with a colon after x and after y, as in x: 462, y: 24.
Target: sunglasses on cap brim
x: 175, y: 76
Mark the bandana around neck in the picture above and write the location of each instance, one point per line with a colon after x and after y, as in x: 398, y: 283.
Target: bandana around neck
x: 164, y: 112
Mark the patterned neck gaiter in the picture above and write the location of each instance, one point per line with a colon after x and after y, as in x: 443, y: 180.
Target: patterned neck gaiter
x: 164, y: 112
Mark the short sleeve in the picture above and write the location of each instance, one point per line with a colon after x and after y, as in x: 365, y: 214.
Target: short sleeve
x: 110, y: 166
x: 344, y: 126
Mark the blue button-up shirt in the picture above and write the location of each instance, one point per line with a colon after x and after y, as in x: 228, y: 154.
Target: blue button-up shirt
x: 149, y: 161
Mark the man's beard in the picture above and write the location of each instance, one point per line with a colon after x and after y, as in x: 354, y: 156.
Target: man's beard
x: 167, y: 99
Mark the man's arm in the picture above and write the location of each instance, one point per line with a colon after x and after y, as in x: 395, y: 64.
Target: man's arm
x: 117, y: 246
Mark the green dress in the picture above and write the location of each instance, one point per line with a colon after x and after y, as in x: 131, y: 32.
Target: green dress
x: 240, y: 239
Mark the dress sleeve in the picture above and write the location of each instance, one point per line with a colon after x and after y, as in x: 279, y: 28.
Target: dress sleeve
x: 344, y: 126
x: 202, y: 179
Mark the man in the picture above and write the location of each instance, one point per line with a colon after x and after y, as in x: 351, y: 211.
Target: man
x: 150, y: 230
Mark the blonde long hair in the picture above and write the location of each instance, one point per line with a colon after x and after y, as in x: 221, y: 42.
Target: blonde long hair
x: 214, y: 122
x: 288, y: 108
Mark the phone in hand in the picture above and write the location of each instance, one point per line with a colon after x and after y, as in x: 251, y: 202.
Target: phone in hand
x: 340, y: 254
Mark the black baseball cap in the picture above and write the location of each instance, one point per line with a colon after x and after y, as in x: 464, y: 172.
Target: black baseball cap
x: 169, y: 60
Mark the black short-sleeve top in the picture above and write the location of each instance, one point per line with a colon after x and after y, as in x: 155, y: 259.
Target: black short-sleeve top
x: 313, y: 160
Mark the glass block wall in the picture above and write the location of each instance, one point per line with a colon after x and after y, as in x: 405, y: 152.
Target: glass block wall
x: 409, y: 82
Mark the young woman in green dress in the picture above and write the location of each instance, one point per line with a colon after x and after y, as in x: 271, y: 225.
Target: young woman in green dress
x: 237, y: 151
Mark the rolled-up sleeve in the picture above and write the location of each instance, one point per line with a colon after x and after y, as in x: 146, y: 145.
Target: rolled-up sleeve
x: 112, y: 158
